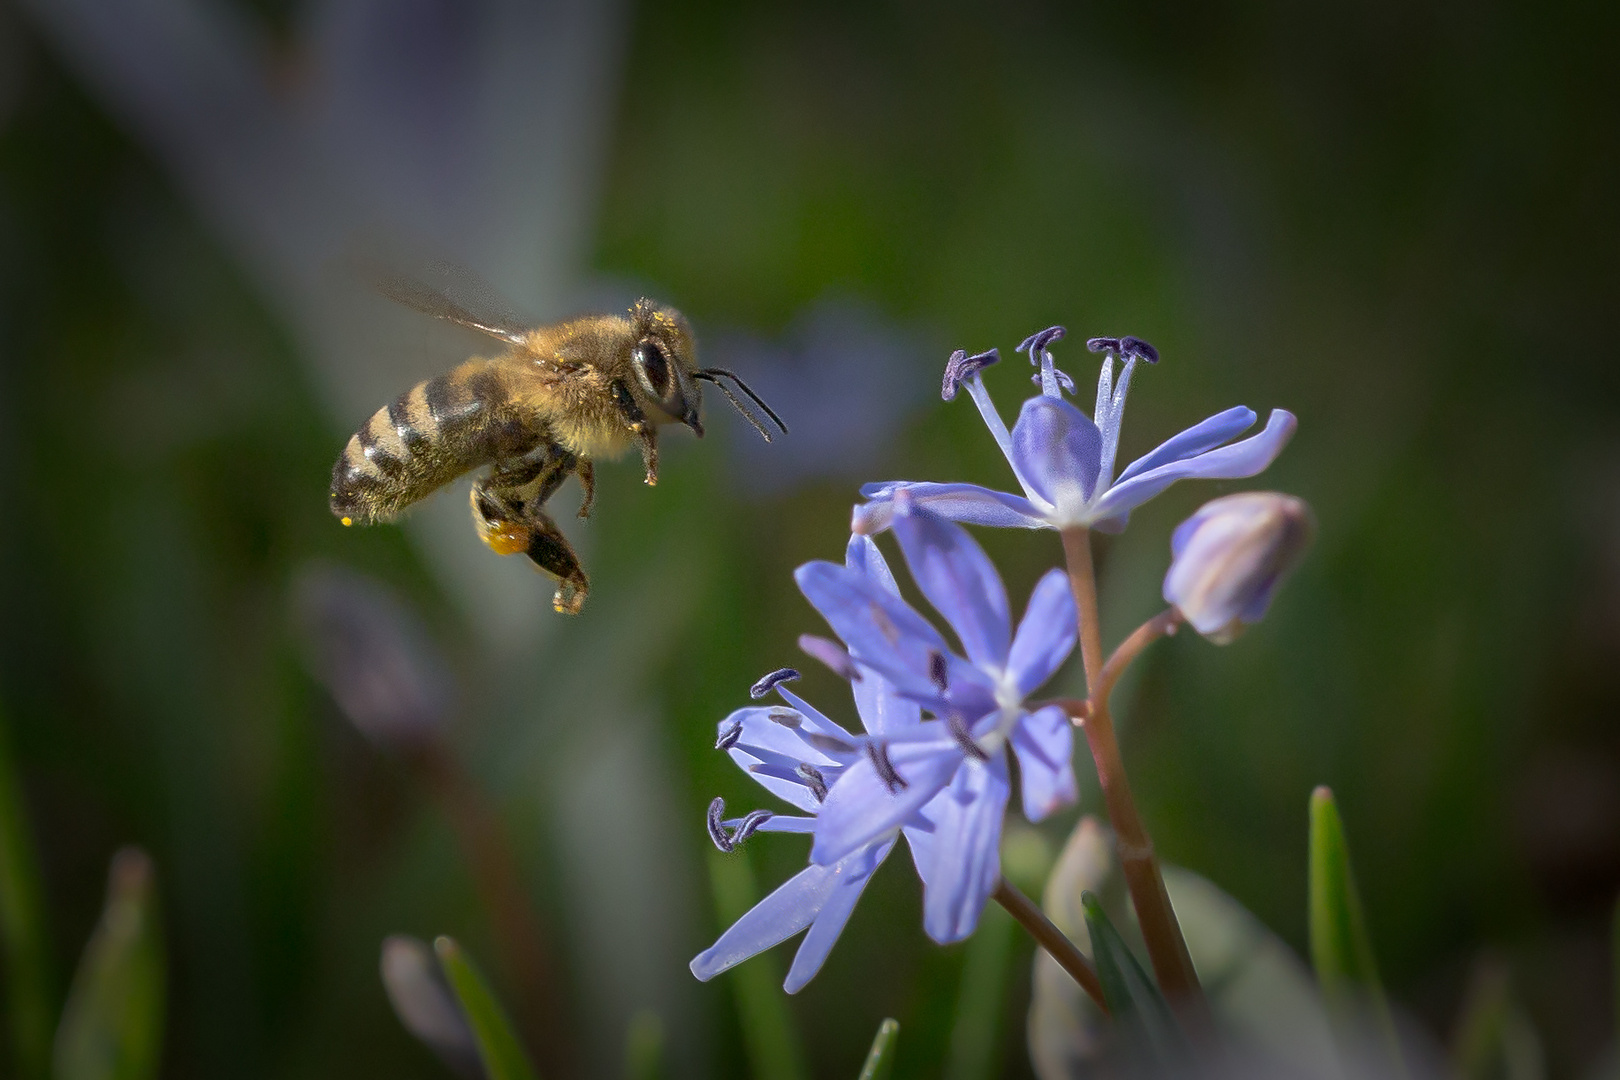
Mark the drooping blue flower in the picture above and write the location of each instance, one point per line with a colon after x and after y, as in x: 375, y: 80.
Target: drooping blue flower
x: 1229, y: 557
x: 950, y: 771
x: 1064, y: 460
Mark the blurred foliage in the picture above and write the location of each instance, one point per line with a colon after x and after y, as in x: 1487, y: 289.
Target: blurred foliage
x: 1395, y: 220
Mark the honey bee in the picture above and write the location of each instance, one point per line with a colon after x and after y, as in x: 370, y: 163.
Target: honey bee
x: 556, y: 399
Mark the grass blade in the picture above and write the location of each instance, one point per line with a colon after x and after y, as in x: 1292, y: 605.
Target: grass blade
x: 112, y: 1027
x: 498, y: 1048
x: 1341, y: 949
x: 976, y: 1028
x: 1149, y: 1028
x: 768, y: 1032
x: 22, y: 929
x: 880, y: 1059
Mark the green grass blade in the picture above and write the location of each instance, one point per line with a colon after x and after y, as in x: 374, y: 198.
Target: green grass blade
x: 1341, y: 949
x: 880, y: 1059
x: 1149, y: 1027
x: 23, y: 955
x: 976, y: 1027
x: 498, y: 1048
x: 768, y: 1033
x: 112, y: 1027
x: 644, y: 1047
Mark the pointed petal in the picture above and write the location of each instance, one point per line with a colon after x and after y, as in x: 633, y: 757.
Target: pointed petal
x: 1204, y: 435
x: 854, y: 871
x: 1058, y: 450
x: 860, y: 806
x: 861, y: 554
x: 967, y: 503
x: 965, y: 857
x: 959, y: 580
x: 1240, y: 459
x: 779, y: 916
x: 880, y: 629
x: 1044, y: 743
x: 765, y: 744
x: 1046, y: 635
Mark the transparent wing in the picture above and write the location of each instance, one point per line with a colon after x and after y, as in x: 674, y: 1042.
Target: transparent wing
x: 441, y: 288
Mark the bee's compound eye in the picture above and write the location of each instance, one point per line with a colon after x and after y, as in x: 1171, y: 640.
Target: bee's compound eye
x: 652, y: 369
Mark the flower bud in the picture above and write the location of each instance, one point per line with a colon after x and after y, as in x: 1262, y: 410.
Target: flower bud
x: 1227, y: 559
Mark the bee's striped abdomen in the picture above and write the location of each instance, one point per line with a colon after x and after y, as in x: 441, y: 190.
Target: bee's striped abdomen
x: 425, y: 438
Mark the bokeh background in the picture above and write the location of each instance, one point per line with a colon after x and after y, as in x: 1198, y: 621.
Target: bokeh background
x: 1397, y: 220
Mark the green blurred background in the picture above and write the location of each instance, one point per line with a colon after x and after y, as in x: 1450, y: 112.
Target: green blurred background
x: 1398, y: 221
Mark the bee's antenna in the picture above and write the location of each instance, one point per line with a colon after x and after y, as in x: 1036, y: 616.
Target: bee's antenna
x: 714, y: 375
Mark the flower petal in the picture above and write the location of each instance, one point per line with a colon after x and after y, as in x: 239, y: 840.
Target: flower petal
x: 967, y: 503
x: 854, y: 872
x: 965, y: 854
x: 959, y: 580
x: 881, y: 630
x: 1204, y: 435
x: 791, y: 908
x: 862, y: 555
x: 770, y: 753
x: 1058, y: 449
x: 860, y: 807
x: 1044, y: 743
x: 1046, y: 635
x: 1240, y: 459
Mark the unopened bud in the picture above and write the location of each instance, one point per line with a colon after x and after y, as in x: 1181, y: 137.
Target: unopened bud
x: 1227, y: 559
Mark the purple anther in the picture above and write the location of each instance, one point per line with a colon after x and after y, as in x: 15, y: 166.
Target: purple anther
x: 964, y: 739
x: 771, y: 682
x: 717, y: 831
x: 728, y: 738
x: 748, y: 825
x: 937, y: 670
x: 830, y: 653
x: 961, y: 367
x: 1103, y: 344
x: 1036, y: 344
x: 1135, y: 346
x: 878, y: 754
x: 814, y: 780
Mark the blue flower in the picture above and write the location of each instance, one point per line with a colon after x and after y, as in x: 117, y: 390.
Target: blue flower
x: 1064, y: 460
x: 798, y: 754
x: 951, y: 771
x: 1228, y: 558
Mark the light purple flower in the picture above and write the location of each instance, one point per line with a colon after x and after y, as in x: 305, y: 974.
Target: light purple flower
x: 1064, y: 460
x: 798, y: 754
x: 950, y: 771
x: 1228, y: 558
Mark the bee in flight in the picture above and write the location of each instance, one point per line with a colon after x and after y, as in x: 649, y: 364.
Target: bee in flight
x: 556, y: 399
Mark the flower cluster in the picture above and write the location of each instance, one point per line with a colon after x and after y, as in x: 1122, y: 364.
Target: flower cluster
x: 931, y: 763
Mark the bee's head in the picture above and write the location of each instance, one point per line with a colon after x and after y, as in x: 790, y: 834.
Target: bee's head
x: 667, y: 375
x: 663, y: 363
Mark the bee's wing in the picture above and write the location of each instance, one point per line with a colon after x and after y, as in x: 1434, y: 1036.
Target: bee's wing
x: 443, y: 289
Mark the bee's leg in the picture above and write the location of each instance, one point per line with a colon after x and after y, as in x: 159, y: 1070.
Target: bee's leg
x: 587, y: 484
x: 637, y: 422
x: 508, y: 511
x: 550, y: 551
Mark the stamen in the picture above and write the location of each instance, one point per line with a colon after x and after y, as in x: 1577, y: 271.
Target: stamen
x: 771, y: 682
x: 749, y: 825
x: 961, y: 367
x: 728, y: 738
x: 1102, y: 344
x: 964, y: 739
x: 1135, y: 346
x: 830, y: 653
x: 830, y: 744
x: 814, y: 780
x: 937, y: 670
x: 1062, y: 377
x: 786, y: 717
x: 878, y: 754
x: 717, y: 831
x: 1037, y: 347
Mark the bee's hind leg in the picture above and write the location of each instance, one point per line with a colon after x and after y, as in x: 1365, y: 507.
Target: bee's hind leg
x: 508, y: 511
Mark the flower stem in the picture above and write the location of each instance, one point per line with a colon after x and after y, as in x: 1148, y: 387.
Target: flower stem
x: 1058, y: 946
x: 1167, y: 950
